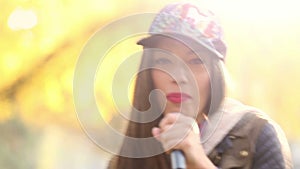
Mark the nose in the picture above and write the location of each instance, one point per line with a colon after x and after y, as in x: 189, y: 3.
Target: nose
x: 180, y: 75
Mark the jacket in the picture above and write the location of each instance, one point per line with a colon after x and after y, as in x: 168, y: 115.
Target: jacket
x: 240, y: 136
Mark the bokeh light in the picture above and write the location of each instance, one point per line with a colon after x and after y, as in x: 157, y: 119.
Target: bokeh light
x: 22, y: 19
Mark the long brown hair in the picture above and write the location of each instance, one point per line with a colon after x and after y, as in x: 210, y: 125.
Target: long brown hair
x: 144, y: 85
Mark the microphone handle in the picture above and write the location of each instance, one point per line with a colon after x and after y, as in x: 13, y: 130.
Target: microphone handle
x: 178, y: 159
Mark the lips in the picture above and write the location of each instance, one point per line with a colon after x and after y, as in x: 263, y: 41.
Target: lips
x: 178, y: 97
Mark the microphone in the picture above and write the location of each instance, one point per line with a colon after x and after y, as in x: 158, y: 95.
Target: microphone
x: 177, y: 160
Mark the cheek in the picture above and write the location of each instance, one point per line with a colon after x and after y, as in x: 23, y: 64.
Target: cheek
x: 159, y: 79
x: 204, y: 87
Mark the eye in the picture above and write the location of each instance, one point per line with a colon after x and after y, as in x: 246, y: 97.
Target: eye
x: 162, y: 61
x: 195, y: 61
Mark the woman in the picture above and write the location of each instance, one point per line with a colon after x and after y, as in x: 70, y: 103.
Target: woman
x: 183, y: 60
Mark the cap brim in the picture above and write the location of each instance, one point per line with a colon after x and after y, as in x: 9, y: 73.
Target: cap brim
x: 152, y: 40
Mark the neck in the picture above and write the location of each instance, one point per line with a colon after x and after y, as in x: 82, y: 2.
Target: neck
x: 201, y: 118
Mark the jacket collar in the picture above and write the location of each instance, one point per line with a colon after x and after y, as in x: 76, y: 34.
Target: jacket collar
x: 221, y: 122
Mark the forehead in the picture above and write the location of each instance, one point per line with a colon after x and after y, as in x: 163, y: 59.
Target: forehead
x: 179, y: 47
x: 171, y: 44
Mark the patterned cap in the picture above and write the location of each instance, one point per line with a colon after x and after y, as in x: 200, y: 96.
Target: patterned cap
x: 191, y: 21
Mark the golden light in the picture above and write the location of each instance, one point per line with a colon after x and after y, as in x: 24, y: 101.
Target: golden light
x: 11, y: 62
x: 21, y: 19
x: 255, y: 9
x: 108, y: 70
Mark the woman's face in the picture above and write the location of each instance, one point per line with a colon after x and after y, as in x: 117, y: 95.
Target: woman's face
x: 181, y: 76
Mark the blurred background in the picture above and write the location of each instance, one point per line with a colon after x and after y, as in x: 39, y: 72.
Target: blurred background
x: 41, y: 40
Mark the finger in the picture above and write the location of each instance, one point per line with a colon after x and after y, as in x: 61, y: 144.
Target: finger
x: 168, y: 119
x: 156, y: 133
x: 171, y: 140
x: 188, y: 122
x: 178, y: 122
x: 173, y: 134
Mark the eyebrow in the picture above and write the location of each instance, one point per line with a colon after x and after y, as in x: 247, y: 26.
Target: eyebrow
x: 196, y: 52
x: 199, y: 52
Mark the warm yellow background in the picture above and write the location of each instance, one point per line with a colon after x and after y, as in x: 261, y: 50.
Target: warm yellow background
x: 40, y: 41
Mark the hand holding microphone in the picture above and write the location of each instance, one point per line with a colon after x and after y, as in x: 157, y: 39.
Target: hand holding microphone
x: 177, y: 132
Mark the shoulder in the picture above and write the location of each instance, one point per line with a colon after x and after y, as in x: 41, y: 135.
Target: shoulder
x: 272, y: 149
x: 269, y: 144
x: 258, y: 135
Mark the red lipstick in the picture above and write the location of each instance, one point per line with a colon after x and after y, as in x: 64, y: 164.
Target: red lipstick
x: 178, y: 97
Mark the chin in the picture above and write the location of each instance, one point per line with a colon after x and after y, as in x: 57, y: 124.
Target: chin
x: 172, y: 110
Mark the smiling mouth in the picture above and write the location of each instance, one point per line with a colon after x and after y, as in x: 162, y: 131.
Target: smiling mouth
x: 178, y: 97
